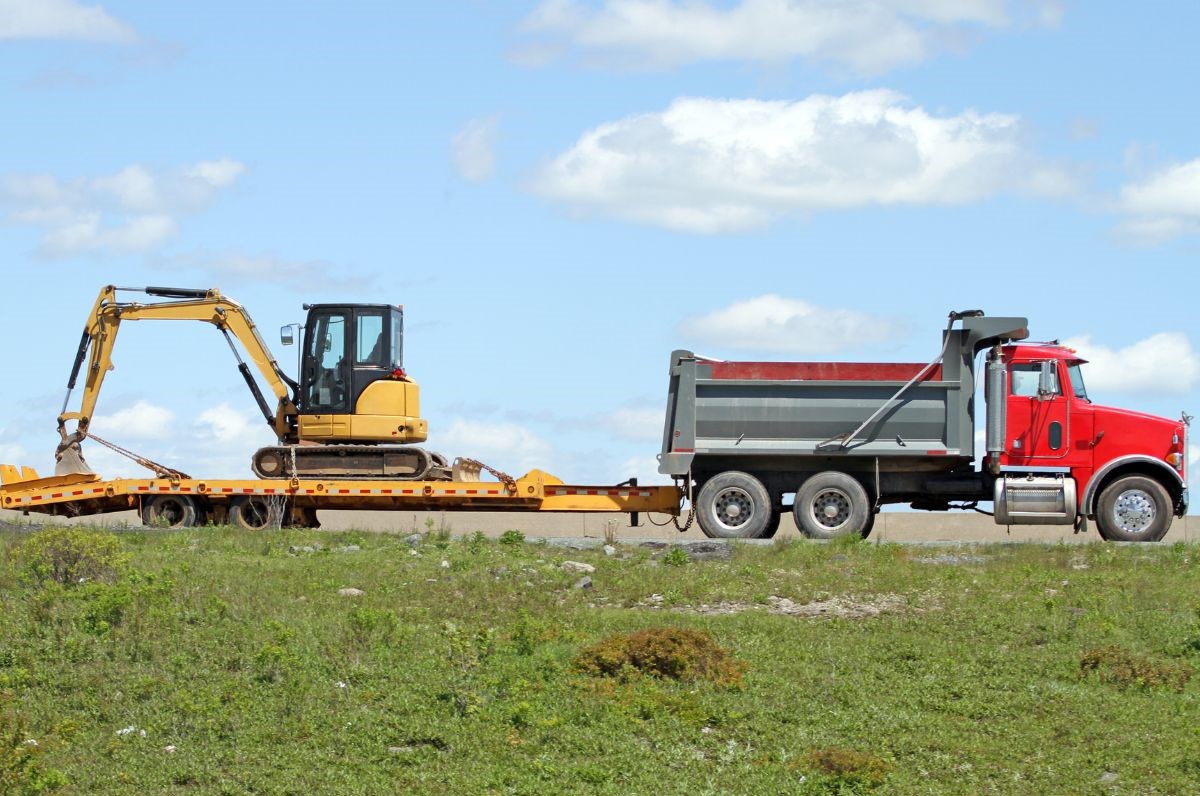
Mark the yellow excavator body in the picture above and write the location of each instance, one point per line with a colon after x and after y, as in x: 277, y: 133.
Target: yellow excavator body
x: 351, y: 395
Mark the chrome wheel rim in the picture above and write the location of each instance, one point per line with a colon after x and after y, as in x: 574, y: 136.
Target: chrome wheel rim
x: 733, y: 508
x: 1134, y: 511
x: 830, y: 509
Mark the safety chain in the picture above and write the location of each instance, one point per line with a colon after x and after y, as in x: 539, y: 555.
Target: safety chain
x: 505, y: 478
x: 160, y: 470
x: 691, y: 508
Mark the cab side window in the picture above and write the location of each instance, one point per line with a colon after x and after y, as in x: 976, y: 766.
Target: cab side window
x: 371, y: 344
x: 1024, y: 379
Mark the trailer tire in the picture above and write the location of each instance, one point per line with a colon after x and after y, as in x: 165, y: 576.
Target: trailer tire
x: 171, y: 511
x: 254, y: 513
x: 1134, y: 508
x: 734, y: 505
x: 832, y: 504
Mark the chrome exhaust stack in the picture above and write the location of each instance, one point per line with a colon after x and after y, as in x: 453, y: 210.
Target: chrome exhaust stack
x: 996, y: 395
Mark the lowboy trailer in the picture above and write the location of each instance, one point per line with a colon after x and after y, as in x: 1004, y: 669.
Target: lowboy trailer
x: 257, y: 504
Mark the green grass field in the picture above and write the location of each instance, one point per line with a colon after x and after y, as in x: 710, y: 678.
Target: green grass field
x: 215, y: 661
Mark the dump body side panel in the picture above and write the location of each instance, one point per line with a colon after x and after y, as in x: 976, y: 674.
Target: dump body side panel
x: 713, y: 410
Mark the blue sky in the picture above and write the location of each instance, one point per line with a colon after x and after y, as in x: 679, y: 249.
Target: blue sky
x: 560, y: 193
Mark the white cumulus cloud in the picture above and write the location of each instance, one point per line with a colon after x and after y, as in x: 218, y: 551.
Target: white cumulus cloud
x: 134, y: 209
x: 725, y: 165
x: 866, y: 36
x: 1162, y: 363
x: 474, y: 149
x: 61, y: 19
x: 142, y: 421
x: 1164, y: 205
x: 226, y: 425
x: 775, y: 323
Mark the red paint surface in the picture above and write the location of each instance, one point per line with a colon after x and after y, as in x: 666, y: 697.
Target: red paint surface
x: 822, y: 371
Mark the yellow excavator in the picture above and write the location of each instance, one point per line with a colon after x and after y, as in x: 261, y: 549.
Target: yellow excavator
x: 353, y: 413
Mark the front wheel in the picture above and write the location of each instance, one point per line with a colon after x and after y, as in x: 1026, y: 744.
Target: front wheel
x: 1134, y: 509
x: 832, y: 504
x: 734, y: 505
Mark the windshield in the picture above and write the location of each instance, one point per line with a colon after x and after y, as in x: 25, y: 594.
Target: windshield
x: 1076, y: 374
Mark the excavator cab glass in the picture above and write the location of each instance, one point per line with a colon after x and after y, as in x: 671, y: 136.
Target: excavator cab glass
x: 347, y: 348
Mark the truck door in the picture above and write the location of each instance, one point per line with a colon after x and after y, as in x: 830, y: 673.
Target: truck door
x: 1038, y: 414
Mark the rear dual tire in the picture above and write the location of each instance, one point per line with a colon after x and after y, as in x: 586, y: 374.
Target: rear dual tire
x: 833, y: 504
x: 735, y: 505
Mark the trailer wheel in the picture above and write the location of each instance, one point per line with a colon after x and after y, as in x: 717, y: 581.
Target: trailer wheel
x: 170, y: 511
x: 255, y: 513
x: 734, y: 505
x: 1134, y: 509
x: 832, y: 504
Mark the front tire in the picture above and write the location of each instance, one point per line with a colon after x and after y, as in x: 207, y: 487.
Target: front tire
x: 1134, y: 509
x: 734, y: 505
x: 832, y: 504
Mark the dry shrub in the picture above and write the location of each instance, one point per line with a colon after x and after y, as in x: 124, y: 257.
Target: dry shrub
x: 1113, y: 664
x: 846, y: 767
x: 671, y: 652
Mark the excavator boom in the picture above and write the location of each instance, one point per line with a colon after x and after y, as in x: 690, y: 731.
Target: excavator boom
x: 181, y: 304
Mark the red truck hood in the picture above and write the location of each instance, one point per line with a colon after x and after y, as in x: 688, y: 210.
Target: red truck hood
x: 1127, y: 432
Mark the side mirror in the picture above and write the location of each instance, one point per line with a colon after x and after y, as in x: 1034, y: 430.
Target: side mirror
x: 1048, y: 380
x: 285, y: 335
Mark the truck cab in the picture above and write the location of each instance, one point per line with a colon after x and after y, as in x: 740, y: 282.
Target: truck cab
x: 1053, y: 427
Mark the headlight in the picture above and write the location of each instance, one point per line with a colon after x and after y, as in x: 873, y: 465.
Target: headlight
x: 1175, y: 460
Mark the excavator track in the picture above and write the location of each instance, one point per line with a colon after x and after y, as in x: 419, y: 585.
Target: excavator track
x: 391, y: 462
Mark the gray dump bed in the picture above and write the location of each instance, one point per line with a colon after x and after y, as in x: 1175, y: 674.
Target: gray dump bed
x: 725, y: 412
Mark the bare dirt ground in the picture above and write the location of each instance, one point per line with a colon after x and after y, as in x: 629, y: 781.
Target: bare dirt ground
x: 898, y: 526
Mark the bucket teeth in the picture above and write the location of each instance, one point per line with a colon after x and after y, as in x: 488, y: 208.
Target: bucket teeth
x: 466, y: 471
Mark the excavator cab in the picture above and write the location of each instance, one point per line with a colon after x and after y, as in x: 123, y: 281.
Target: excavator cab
x: 352, y: 380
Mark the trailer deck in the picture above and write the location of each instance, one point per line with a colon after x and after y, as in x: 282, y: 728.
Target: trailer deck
x: 22, y: 489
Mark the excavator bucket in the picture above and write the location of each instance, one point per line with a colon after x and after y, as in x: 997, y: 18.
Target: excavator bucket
x: 466, y: 471
x: 68, y: 457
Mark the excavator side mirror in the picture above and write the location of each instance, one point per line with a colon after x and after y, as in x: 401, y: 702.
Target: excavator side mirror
x: 285, y: 335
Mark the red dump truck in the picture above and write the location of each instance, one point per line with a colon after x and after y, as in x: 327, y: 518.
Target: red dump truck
x: 842, y: 439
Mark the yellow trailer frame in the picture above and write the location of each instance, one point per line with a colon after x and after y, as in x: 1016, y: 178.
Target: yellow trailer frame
x: 21, y: 489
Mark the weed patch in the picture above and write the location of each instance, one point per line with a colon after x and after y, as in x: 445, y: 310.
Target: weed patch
x: 670, y: 652
x: 844, y: 770
x: 70, y: 556
x: 1116, y: 665
x: 23, y: 772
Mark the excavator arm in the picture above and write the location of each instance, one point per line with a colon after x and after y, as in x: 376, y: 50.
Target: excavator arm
x: 181, y: 304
